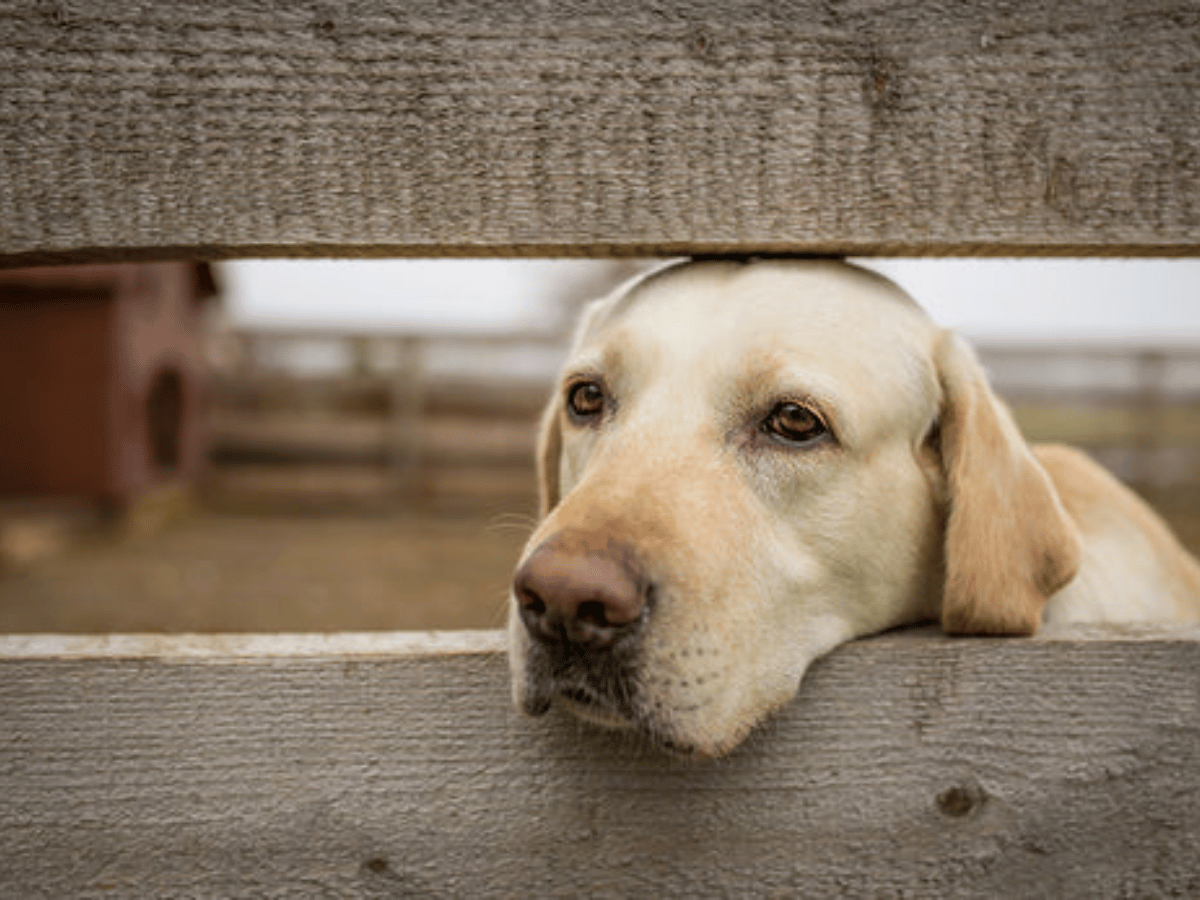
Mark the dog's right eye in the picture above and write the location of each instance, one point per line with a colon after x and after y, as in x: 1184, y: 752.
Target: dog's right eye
x: 794, y: 423
x: 585, y: 401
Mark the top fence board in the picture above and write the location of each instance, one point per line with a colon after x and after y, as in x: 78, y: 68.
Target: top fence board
x: 481, y: 127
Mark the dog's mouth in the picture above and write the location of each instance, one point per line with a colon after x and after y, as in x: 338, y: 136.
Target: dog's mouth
x: 596, y: 709
x: 604, y: 692
x: 601, y: 688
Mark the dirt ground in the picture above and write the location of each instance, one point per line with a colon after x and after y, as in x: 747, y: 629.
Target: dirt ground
x: 221, y: 572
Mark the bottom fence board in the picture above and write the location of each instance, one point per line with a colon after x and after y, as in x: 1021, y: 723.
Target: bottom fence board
x: 393, y: 765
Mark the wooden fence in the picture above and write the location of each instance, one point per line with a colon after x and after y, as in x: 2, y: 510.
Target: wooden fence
x: 391, y: 765
x: 398, y: 420
x: 394, y: 765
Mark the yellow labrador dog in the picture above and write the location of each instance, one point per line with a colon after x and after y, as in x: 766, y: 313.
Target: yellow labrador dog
x: 749, y: 463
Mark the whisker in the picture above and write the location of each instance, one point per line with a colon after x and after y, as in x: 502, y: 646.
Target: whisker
x: 500, y: 616
x: 512, y: 522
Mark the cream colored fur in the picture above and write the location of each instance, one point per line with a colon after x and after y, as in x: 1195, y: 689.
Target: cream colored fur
x: 927, y: 504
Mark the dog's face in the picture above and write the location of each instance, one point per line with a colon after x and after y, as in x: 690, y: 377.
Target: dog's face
x: 743, y: 467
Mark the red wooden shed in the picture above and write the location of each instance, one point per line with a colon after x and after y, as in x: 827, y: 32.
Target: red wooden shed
x: 101, y: 379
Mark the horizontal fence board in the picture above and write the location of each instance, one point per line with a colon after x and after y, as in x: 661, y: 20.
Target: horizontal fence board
x: 481, y: 127
x: 393, y: 765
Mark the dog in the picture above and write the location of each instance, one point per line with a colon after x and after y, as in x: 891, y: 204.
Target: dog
x: 748, y: 463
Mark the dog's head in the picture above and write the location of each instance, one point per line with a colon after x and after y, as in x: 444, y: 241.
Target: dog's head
x: 746, y: 464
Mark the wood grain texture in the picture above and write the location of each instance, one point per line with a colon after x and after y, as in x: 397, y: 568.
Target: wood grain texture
x: 481, y: 127
x: 910, y: 765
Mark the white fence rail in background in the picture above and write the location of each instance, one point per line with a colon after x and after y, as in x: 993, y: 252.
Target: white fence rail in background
x: 436, y: 418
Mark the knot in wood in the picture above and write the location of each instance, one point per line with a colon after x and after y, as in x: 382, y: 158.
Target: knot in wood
x: 961, y: 800
x: 377, y: 865
x: 703, y: 44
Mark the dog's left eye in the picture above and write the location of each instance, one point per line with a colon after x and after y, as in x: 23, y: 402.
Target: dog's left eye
x: 794, y: 423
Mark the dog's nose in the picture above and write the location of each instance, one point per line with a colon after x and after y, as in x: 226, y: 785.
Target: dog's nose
x: 581, y: 590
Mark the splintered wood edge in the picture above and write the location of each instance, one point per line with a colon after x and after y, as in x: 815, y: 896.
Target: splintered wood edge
x: 397, y: 644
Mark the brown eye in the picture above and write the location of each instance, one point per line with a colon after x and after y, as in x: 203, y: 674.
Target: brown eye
x: 794, y: 423
x: 585, y: 401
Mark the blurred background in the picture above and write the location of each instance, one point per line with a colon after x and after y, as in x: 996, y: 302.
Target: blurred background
x: 323, y: 446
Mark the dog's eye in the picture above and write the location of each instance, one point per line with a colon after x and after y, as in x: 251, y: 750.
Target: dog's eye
x: 585, y: 401
x: 794, y: 423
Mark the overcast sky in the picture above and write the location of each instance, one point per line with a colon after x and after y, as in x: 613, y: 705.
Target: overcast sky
x: 1142, y: 301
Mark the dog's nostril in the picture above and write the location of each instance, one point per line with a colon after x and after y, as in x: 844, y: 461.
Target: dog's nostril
x: 532, y: 603
x: 534, y: 615
x: 592, y: 612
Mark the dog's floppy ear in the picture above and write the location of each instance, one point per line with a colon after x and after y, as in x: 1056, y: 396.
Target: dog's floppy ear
x: 1009, y: 542
x: 549, y: 449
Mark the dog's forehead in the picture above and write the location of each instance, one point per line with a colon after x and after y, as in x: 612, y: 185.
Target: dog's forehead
x: 826, y: 312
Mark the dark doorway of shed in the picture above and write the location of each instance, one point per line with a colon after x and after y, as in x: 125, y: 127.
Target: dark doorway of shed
x: 164, y: 421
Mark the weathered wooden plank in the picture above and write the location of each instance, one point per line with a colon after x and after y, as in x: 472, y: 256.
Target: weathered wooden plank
x: 392, y: 765
x: 483, y: 127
